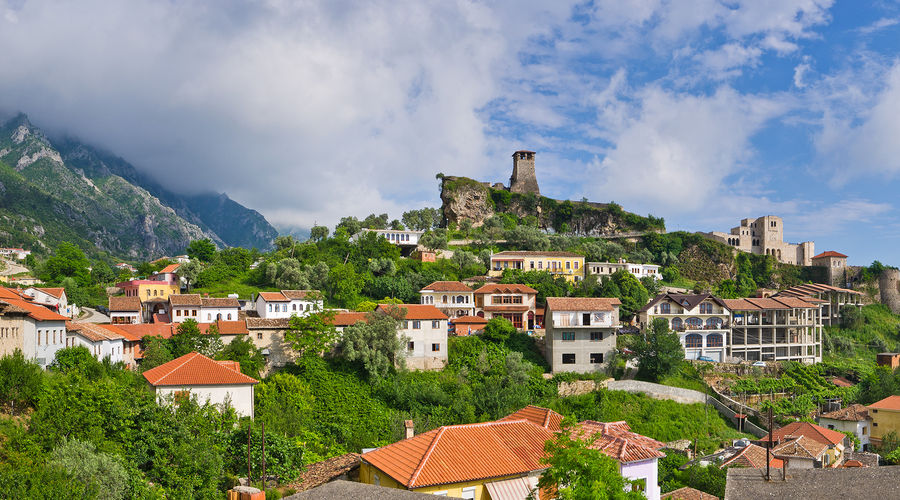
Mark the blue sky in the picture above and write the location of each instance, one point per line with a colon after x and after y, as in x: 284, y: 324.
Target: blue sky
x: 703, y: 112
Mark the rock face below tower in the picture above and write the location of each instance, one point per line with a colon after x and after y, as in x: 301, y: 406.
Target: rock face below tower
x: 523, y: 179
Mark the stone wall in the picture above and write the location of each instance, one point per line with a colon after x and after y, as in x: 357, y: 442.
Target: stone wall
x: 658, y: 391
x: 889, y: 285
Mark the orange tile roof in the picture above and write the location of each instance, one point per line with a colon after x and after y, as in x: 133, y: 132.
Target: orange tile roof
x: 139, y: 331
x: 273, y: 297
x: 171, y: 268
x: 512, y: 288
x: 460, y: 453
x: 185, y: 299
x: 830, y: 253
x: 616, y: 440
x: 347, y: 318
x: 582, y: 304
x: 299, y: 294
x: 93, y: 332
x: 470, y: 320
x: 543, y: 417
x: 800, y: 447
x: 527, y: 253
x: 195, y: 369
x: 225, y: 327
x: 447, y: 286
x: 416, y: 311
x: 688, y: 493
x: 124, y: 304
x: 753, y: 456
x: 812, y: 431
x: 888, y: 403
x: 234, y: 365
x: 220, y: 302
x: 55, y: 292
x: 853, y: 463
x: 34, y: 311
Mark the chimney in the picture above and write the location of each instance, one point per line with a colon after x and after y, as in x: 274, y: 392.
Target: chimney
x: 410, y: 432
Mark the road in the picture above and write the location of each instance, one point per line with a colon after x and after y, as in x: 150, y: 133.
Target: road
x: 93, y: 316
x: 12, y: 268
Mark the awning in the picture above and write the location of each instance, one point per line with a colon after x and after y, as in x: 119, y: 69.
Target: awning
x: 510, y: 489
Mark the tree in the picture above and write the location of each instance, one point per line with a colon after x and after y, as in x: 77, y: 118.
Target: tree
x: 850, y: 316
x: 527, y: 238
x: 631, y: 292
x: 660, y: 352
x: 433, y: 240
x: 375, y: 343
x: 318, y: 233
x: 156, y: 352
x: 77, y: 358
x: 190, y: 271
x: 102, y: 273
x: 188, y: 339
x: 651, y: 284
x: 344, y: 284
x: 422, y: 219
x: 68, y: 261
x: 246, y: 354
x: 21, y: 381
x: 350, y: 224
x: 498, y: 330
x: 283, y: 243
x: 576, y: 471
x: 102, y: 473
x: 203, y: 250
x: 313, y: 333
x: 376, y: 221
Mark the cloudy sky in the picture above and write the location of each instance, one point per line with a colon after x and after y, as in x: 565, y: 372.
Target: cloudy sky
x: 700, y: 111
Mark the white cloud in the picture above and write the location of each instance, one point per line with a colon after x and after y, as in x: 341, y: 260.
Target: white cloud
x: 885, y: 22
x: 726, y: 61
x: 800, y: 72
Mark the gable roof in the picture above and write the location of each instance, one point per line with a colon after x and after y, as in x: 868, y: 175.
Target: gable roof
x: 171, y: 268
x: 124, y: 304
x: 459, y: 453
x: 582, y: 303
x: 800, y: 447
x: 416, y: 311
x: 92, y: 332
x: 34, y: 311
x: 616, y: 440
x: 753, y: 456
x: 195, y: 369
x: 185, y: 299
x: 273, y: 297
x: 137, y: 332
x: 299, y: 294
x: 808, y: 289
x: 888, y: 403
x: 220, y: 302
x: 830, y: 253
x: 446, y: 286
x: 542, y: 417
x: 692, y: 300
x: 470, y: 320
x: 238, y: 327
x: 852, y: 413
x: 53, y: 292
x: 812, y: 431
x: 510, y: 288
x: 688, y: 493
x: 347, y: 318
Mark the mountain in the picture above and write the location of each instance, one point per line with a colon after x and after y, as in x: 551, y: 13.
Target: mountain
x: 53, y: 191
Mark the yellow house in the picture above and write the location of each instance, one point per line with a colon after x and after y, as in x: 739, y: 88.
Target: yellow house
x: 885, y: 415
x: 566, y: 264
x: 498, y: 457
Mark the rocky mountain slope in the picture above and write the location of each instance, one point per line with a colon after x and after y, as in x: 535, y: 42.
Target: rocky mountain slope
x: 53, y: 191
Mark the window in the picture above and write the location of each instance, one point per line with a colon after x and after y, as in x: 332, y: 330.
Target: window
x: 595, y: 336
x: 576, y: 264
x: 39, y: 338
x: 294, y: 306
x: 410, y: 345
x: 694, y: 322
x: 568, y: 264
x: 259, y: 336
x: 435, y: 324
x: 676, y: 323
x: 376, y: 480
x: 435, y: 347
x: 830, y: 426
x: 177, y: 312
x: 194, y: 312
x: 714, y: 340
x: 208, y: 316
x: 229, y: 316
x: 270, y: 307
x: 596, y: 357
x: 469, y: 493
x: 568, y: 359
x: 705, y: 308
x: 865, y: 430
x: 693, y: 341
x: 665, y: 308
x: 417, y: 325
x: 586, y: 319
x: 568, y: 336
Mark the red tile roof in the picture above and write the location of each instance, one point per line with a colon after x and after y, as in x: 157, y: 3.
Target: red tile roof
x: 93, y: 332
x: 300, y: 294
x: 830, y: 253
x: 171, y: 268
x: 227, y: 363
x: 582, y: 304
x: 55, y: 292
x: 416, y: 311
x: 688, y: 493
x: 888, y: 403
x: 460, y: 453
x: 185, y: 299
x: 753, y: 456
x: 853, y: 463
x: 525, y: 253
x: 852, y: 413
x: 813, y: 288
x: 800, y: 447
x: 273, y: 297
x: 220, y: 302
x: 138, y: 332
x: 812, y: 431
x: 543, y: 417
x: 195, y: 369
x: 225, y: 327
x: 499, y: 288
x: 616, y: 440
x: 347, y: 318
x: 124, y: 304
x: 470, y: 320
x: 447, y: 286
x: 841, y: 382
x: 34, y: 311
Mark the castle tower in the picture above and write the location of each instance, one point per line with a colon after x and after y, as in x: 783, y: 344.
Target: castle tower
x: 523, y: 179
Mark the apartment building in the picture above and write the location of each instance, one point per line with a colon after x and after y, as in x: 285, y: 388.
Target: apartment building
x: 425, y: 329
x: 453, y: 298
x: 515, y: 302
x: 566, y: 264
x: 775, y: 329
x: 581, y: 333
x: 701, y: 321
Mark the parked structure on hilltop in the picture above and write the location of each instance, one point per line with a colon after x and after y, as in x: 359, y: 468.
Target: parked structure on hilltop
x: 835, y: 265
x: 581, y: 333
x: 765, y: 236
x: 566, y: 264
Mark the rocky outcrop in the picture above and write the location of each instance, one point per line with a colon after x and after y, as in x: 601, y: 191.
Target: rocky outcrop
x: 465, y: 199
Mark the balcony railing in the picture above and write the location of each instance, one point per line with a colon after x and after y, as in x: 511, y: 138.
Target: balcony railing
x: 683, y: 328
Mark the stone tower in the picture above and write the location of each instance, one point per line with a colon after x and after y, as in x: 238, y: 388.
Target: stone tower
x: 523, y: 179
x: 889, y: 286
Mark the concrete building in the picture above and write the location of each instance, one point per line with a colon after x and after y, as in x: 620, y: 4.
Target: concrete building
x: 638, y: 270
x: 638, y: 456
x: 15, y: 253
x: 401, y: 238
x: 54, y: 298
x: 836, y: 267
x: 33, y: 329
x: 453, y: 298
x: 888, y: 359
x: 765, y: 236
x: 885, y: 415
x: 515, y: 302
x: 701, y: 321
x: 830, y: 298
x: 854, y: 419
x: 775, y: 329
x: 101, y: 341
x: 581, y: 333
x: 566, y: 264
x: 425, y: 329
x: 287, y: 303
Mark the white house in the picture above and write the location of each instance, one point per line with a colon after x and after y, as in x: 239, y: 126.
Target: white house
x: 401, y: 238
x: 218, y: 382
x: 54, y: 298
x: 125, y: 310
x: 638, y: 270
x: 854, y: 418
x: 287, y: 303
x: 35, y: 330
x: 425, y: 330
x: 453, y: 298
x: 15, y: 253
x: 701, y: 321
x: 638, y: 455
x: 219, y: 309
x: 185, y: 306
x: 102, y: 342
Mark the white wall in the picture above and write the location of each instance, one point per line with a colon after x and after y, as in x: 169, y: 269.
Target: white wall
x: 208, y: 314
x: 849, y: 426
x: 185, y: 313
x: 45, y: 351
x: 239, y: 396
x: 421, y: 356
x: 113, y: 349
x: 647, y: 470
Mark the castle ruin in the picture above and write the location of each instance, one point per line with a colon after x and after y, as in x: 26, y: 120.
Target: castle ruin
x: 523, y: 179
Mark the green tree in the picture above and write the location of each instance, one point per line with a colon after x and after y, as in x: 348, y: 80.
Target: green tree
x: 190, y: 271
x: 188, y: 339
x: 156, y: 352
x: 498, y: 330
x: 102, y: 273
x: 850, y: 316
x: 283, y: 243
x: 103, y: 474
x: 76, y: 358
x: 576, y: 471
x: 659, y: 353
x: 21, y: 382
x: 527, y: 238
x: 284, y: 403
x: 375, y: 343
x: 376, y: 221
x: 68, y: 261
x: 344, y: 285
x: 422, y: 219
x: 632, y: 293
x: 246, y: 354
x: 203, y: 250
x: 313, y: 333
x: 351, y: 225
x: 434, y: 239
x: 318, y: 233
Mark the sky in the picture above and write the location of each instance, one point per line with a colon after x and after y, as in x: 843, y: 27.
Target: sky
x: 703, y: 112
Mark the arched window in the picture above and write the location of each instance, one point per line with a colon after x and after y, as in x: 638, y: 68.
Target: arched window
x: 693, y: 322
x: 665, y: 308
x: 693, y: 340
x: 445, y: 299
x: 676, y: 323
x: 714, y: 323
x: 229, y: 316
x: 460, y: 299
x: 714, y: 340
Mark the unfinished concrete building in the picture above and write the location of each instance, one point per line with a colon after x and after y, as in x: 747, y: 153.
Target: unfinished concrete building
x: 775, y: 329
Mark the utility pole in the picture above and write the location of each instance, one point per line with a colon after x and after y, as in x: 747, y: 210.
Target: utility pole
x: 769, y: 445
x: 249, y: 428
x: 264, y: 455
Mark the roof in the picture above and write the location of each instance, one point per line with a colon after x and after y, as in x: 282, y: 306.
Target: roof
x: 523, y: 151
x: 225, y: 327
x: 803, y: 291
x: 267, y: 323
x: 417, y: 311
x: 299, y: 294
x: 351, y: 490
x: 800, y: 447
x: 888, y: 403
x: 830, y: 253
x: 692, y: 299
x: 470, y: 320
x: 347, y: 318
x: 93, y: 332
x: 543, y: 417
x: 319, y: 473
x: 171, y: 268
x: 227, y: 363
x: 522, y: 253
x: 582, y: 304
x: 137, y: 332
x: 34, y: 311
x: 616, y: 440
x: 195, y: 369
x: 124, y: 304
x: 688, y: 493
x: 821, y: 484
x: 220, y: 302
x: 459, y: 453
x: 510, y: 288
x: 752, y: 456
x: 511, y: 489
x: 812, y: 431
x: 853, y: 463
x: 186, y: 299
x: 55, y: 292
x: 447, y: 286
x: 852, y: 413
x: 273, y: 297
x: 757, y: 304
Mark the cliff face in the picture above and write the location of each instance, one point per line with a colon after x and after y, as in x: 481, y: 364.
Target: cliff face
x: 466, y: 199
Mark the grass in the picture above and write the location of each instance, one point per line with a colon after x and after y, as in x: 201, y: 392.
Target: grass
x: 685, y: 377
x: 681, y: 282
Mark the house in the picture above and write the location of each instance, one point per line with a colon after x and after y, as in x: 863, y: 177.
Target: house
x: 748, y: 455
x: 637, y: 270
x: 287, y: 303
x: 453, y: 298
x: 581, y: 333
x: 185, y: 306
x: 133, y: 338
x: 701, y: 321
x: 268, y: 336
x: 53, y: 298
x: 888, y: 359
x: 885, y: 415
x: 124, y: 310
x: 15, y: 253
x: 154, y: 295
x: 566, y: 264
x: 122, y: 266
x: 214, y: 309
x: 196, y: 375
x: 101, y: 341
x: 340, y: 468
x: 515, y: 302
x: 830, y: 298
x: 227, y: 330
x: 835, y: 264
x: 688, y: 493
x: 468, y: 325
x: 399, y: 237
x: 343, y: 319
x: 775, y: 329
x: 182, y: 259
x: 854, y: 418
x: 168, y: 274
x: 821, y: 447
x: 638, y: 455
x: 33, y: 329
x: 352, y: 490
x: 824, y: 484
x: 425, y: 330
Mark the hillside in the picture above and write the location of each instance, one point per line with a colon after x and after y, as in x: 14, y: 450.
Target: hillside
x: 53, y: 192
